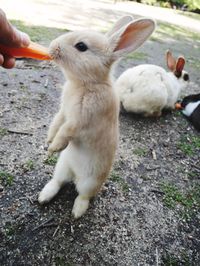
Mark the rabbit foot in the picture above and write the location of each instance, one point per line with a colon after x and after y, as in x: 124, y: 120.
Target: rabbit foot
x: 153, y: 114
x: 157, y: 113
x: 80, y: 206
x: 48, y: 192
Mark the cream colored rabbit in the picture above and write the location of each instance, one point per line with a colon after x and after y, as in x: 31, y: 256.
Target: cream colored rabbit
x: 148, y: 89
x: 86, y: 126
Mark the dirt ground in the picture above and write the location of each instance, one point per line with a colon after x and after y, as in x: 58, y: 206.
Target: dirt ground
x: 147, y: 212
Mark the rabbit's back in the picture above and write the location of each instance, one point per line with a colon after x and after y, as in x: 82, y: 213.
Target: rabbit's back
x: 143, y: 89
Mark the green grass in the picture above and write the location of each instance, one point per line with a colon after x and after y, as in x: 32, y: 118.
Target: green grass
x: 29, y: 165
x: 140, y: 152
x: 38, y: 33
x: 186, y: 148
x: 189, y: 145
x: 189, y: 14
x: 173, y: 196
x: 9, y: 229
x: 156, y: 38
x: 6, y: 178
x: 166, y: 29
x: 51, y: 160
x: 61, y: 261
x: 23, y: 88
x: 137, y: 56
x: 177, y: 113
x: 189, y: 200
x: 3, y: 132
x: 192, y: 174
x: 118, y: 179
x: 172, y: 260
x: 145, y: 177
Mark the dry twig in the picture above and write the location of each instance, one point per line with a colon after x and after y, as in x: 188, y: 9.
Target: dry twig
x: 56, y: 231
x: 19, y: 132
x: 44, y: 224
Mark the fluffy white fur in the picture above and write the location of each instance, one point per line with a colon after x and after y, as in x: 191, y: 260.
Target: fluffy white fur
x: 148, y: 89
x: 86, y: 127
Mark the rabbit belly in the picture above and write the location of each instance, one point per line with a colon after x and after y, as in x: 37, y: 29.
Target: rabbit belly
x: 91, y: 152
x: 89, y: 169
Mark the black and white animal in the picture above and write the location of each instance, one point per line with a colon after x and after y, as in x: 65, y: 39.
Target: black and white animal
x: 190, y: 106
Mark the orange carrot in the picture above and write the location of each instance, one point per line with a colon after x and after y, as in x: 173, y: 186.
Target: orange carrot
x: 34, y: 51
x: 178, y: 106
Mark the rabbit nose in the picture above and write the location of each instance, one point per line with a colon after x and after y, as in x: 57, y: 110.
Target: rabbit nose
x: 55, y: 52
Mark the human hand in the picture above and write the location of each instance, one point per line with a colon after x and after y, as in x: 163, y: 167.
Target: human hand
x: 11, y: 37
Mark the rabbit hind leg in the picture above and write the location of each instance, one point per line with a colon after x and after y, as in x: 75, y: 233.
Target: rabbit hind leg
x: 87, y: 188
x: 62, y: 175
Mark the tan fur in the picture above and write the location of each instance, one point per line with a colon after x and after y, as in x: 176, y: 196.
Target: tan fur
x: 86, y: 126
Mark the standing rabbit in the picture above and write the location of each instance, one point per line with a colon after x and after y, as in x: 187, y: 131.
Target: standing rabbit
x: 86, y: 127
x: 148, y: 89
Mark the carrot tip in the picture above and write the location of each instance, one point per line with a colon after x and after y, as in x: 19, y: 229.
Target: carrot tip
x: 178, y: 106
x: 34, y: 51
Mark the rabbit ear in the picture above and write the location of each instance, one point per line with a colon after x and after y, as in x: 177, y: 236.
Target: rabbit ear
x: 131, y: 36
x: 119, y: 24
x: 180, y: 64
x: 171, y: 61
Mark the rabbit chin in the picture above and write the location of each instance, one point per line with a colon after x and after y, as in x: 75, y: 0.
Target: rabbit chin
x: 86, y: 72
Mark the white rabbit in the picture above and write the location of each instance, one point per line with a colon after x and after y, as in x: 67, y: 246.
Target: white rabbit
x: 86, y: 126
x: 148, y: 89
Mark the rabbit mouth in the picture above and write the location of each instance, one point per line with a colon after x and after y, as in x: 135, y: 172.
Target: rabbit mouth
x: 55, y: 53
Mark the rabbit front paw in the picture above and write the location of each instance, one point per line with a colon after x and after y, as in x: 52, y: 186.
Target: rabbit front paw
x: 50, y: 138
x: 48, y: 141
x: 57, y: 145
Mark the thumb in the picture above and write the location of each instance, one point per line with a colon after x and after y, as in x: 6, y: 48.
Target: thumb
x: 9, y: 35
x: 12, y: 37
x: 19, y: 39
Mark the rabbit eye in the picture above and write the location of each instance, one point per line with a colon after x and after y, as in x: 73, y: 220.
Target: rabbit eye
x: 186, y: 77
x: 81, y: 46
